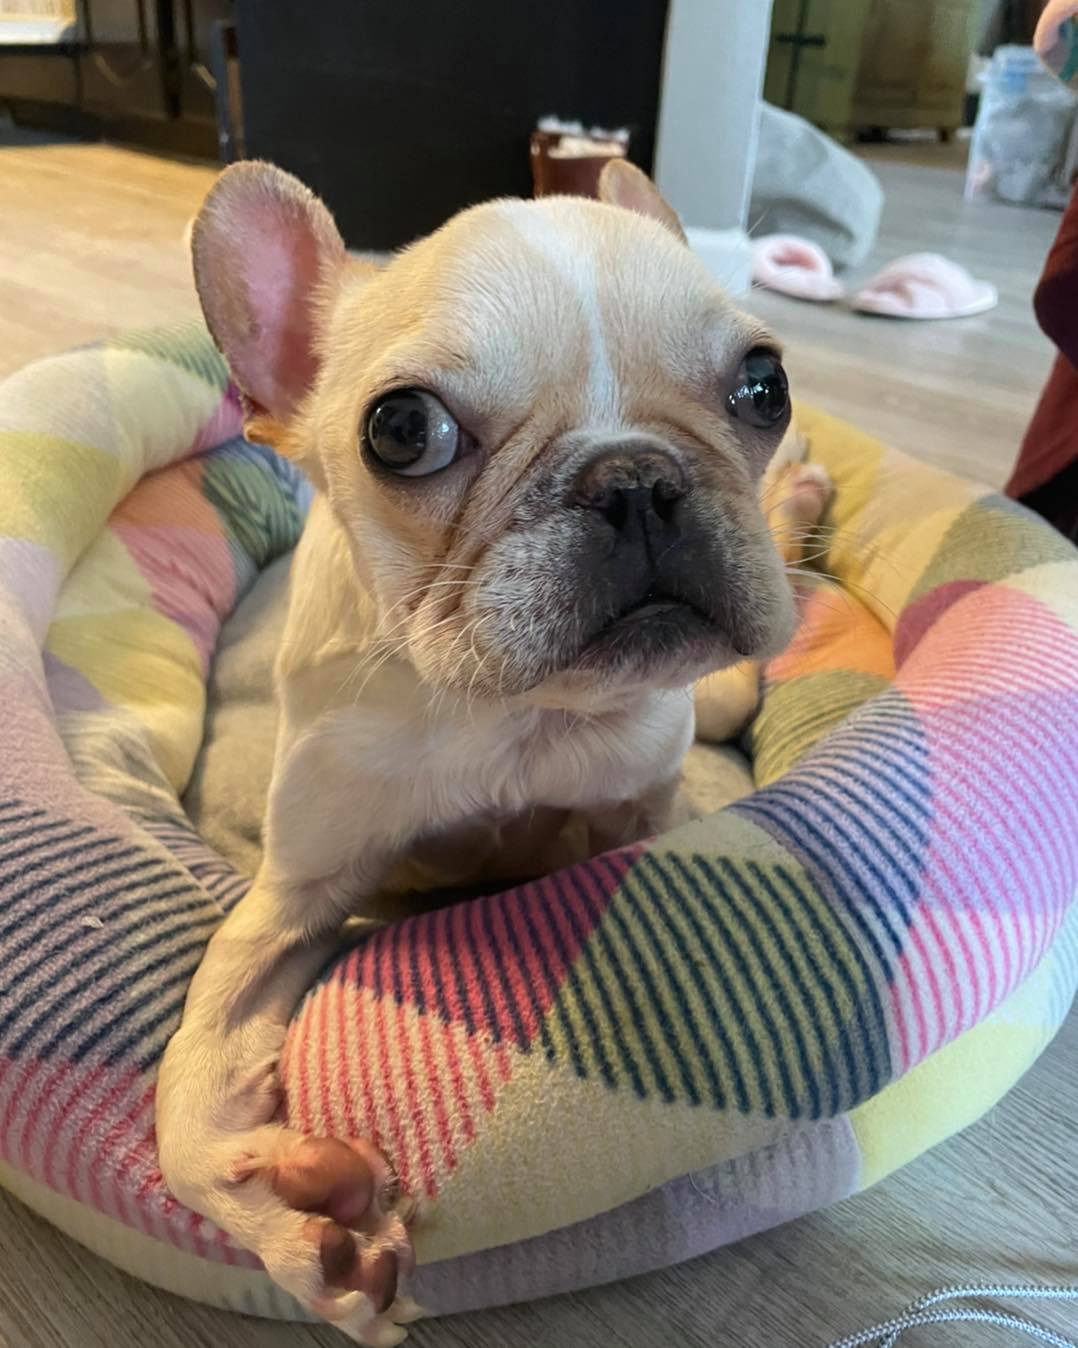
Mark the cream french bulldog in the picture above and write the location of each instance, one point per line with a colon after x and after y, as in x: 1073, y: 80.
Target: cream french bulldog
x: 539, y: 439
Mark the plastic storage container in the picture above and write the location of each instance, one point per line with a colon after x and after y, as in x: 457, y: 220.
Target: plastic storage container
x: 1022, y: 141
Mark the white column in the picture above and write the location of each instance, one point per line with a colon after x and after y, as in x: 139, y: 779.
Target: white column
x: 705, y: 151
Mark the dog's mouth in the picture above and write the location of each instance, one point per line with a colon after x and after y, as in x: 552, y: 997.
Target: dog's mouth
x: 656, y: 604
x: 655, y: 627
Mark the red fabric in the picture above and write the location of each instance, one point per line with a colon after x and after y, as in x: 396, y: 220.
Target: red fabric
x: 1050, y: 443
x: 1051, y: 440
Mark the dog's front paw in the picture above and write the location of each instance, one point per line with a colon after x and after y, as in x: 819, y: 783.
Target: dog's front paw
x: 810, y: 490
x: 325, y: 1217
x: 796, y: 500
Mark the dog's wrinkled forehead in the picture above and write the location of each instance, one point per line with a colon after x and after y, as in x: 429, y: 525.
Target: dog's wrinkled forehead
x: 561, y: 299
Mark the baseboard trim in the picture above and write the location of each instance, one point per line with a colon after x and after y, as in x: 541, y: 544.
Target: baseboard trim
x: 727, y: 254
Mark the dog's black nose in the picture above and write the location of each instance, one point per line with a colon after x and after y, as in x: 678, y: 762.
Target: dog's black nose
x: 633, y: 486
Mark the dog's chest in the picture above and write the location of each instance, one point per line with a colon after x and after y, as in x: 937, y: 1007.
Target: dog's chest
x: 489, y: 849
x: 493, y: 801
x: 459, y: 792
x: 504, y: 763
x: 485, y: 793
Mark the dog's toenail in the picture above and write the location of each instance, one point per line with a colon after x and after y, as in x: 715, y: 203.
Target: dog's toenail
x: 406, y: 1206
x: 391, y: 1192
x: 243, y: 1168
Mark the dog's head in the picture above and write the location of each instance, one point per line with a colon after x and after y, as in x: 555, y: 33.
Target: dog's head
x: 542, y: 429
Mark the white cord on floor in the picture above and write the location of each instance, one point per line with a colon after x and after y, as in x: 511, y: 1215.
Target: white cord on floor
x: 920, y: 1313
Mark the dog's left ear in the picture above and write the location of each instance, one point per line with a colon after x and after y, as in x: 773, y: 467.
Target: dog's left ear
x: 623, y: 184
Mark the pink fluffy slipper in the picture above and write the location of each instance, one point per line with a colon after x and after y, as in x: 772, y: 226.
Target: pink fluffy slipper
x: 925, y: 285
x: 795, y: 267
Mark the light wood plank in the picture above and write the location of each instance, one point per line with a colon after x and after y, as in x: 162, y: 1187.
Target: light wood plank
x: 91, y: 243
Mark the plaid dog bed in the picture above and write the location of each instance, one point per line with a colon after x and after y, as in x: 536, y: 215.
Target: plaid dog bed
x: 610, y: 1069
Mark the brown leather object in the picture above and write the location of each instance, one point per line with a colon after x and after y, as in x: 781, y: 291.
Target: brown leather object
x: 574, y: 175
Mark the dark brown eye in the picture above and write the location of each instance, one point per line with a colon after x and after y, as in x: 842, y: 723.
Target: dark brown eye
x: 412, y: 434
x: 761, y: 395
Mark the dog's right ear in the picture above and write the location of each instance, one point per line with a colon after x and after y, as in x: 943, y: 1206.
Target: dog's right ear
x: 266, y: 252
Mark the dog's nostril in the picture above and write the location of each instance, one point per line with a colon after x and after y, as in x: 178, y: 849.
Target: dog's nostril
x: 665, y: 496
x: 613, y: 502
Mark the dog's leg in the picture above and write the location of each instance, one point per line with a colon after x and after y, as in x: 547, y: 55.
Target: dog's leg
x: 725, y: 702
x: 618, y: 823
x: 322, y: 1215
x: 795, y: 497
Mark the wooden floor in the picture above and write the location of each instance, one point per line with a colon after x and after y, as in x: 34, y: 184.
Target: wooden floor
x: 91, y: 242
x: 958, y: 393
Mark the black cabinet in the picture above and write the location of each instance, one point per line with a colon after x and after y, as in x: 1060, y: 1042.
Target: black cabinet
x: 400, y: 112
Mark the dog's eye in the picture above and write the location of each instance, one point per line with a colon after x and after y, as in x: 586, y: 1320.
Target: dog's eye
x: 761, y: 395
x: 411, y: 433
